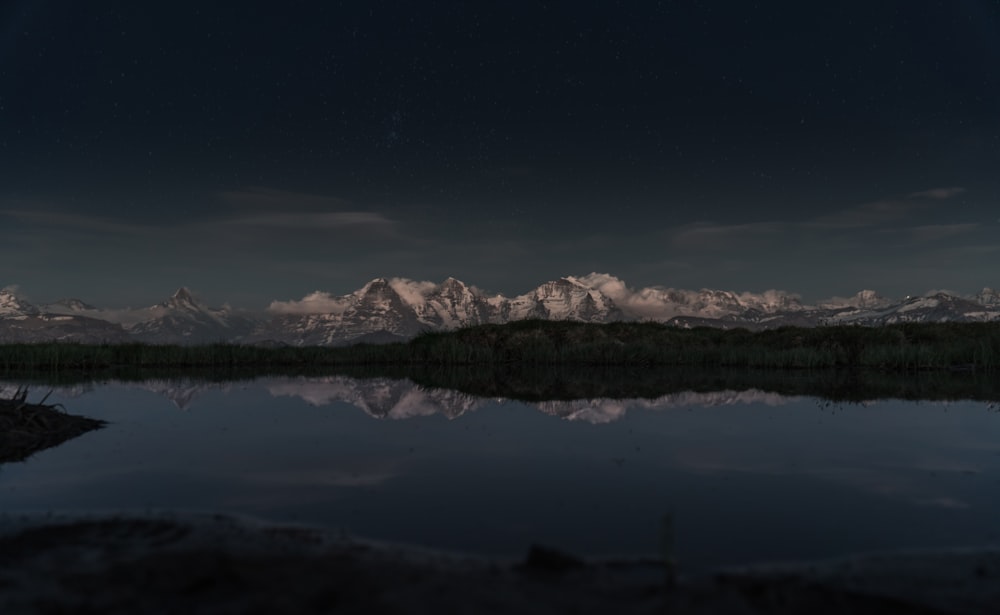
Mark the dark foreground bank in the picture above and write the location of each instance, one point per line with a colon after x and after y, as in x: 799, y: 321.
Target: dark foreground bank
x: 26, y: 428
x: 220, y: 565
x: 904, y: 347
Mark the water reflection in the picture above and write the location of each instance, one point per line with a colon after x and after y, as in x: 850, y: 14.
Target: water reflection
x: 388, y: 398
x: 401, y: 399
x: 745, y: 474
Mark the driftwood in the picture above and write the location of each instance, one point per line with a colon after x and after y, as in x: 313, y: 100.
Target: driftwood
x: 26, y: 428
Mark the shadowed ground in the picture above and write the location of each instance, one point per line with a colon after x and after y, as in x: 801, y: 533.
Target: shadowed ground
x: 221, y: 565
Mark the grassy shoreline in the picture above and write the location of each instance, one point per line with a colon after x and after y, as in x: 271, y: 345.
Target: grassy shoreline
x: 905, y: 348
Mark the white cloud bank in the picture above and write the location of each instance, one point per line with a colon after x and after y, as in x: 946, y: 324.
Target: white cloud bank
x: 659, y: 303
x: 413, y: 292
x: 938, y: 193
x: 317, y: 302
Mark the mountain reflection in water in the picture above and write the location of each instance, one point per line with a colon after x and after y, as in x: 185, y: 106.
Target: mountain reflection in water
x: 401, y: 399
x: 745, y: 473
x: 387, y: 398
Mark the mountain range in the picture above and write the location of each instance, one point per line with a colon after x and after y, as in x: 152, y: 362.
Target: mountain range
x: 396, y: 309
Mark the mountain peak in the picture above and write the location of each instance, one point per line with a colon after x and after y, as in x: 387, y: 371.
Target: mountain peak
x: 11, y: 305
x: 376, y: 285
x: 452, y: 287
x: 379, y: 289
x: 182, y: 299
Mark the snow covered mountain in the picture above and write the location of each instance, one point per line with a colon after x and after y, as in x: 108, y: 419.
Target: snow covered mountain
x: 11, y: 306
x: 936, y: 307
x: 22, y: 322
x: 376, y: 313
x: 563, y: 299
x: 866, y: 299
x: 391, y: 310
x: 452, y: 304
x: 182, y: 319
x: 988, y: 297
x: 395, y: 309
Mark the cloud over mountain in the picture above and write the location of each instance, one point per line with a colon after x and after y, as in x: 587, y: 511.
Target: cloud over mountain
x: 660, y: 303
x: 316, y: 302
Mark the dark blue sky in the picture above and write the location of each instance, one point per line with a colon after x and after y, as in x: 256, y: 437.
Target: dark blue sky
x: 267, y: 151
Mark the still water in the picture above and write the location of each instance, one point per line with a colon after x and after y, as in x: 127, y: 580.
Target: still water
x: 716, y: 479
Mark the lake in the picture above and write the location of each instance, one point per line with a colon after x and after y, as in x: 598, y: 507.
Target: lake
x: 712, y: 478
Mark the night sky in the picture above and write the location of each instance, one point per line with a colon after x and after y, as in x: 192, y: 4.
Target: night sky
x: 259, y: 151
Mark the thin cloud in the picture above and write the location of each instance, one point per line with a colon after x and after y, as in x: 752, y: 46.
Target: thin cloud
x: 267, y: 208
x: 937, y: 193
x: 330, y: 220
x: 980, y: 249
x: 77, y: 222
x: 412, y: 292
x: 935, y: 232
x: 317, y: 302
x: 703, y: 234
x: 884, y: 211
x: 867, y: 215
x: 257, y: 197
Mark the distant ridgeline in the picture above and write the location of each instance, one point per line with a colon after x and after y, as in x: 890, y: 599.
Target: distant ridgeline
x: 904, y: 347
x: 393, y: 310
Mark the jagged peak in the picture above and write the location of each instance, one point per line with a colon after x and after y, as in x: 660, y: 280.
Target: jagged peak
x: 377, y: 287
x: 182, y: 298
x: 378, y: 282
x: 453, y: 286
x: 373, y: 286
